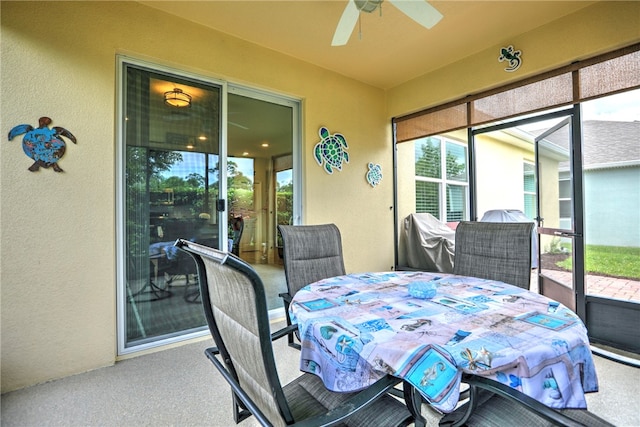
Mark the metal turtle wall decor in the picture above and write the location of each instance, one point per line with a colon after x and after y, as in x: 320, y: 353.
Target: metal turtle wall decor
x: 330, y: 152
x: 374, y: 174
x: 43, y: 144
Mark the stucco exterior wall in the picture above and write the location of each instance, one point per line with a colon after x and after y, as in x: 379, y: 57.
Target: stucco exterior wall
x: 500, y: 173
x: 612, y: 187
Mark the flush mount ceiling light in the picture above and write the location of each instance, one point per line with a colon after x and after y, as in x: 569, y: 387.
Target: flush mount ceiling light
x: 177, y: 98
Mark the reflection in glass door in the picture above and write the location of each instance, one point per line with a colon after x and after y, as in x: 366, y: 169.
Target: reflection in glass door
x: 559, y: 232
x: 170, y: 154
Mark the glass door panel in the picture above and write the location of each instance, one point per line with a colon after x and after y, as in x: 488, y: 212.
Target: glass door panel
x: 171, y: 155
x: 284, y: 206
x: 260, y: 172
x: 555, y: 214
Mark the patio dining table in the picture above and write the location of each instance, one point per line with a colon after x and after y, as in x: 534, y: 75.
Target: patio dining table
x: 430, y: 328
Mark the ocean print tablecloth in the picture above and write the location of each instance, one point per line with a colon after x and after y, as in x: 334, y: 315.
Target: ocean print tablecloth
x: 359, y: 327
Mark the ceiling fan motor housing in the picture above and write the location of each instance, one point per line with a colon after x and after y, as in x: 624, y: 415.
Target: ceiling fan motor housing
x: 367, y: 5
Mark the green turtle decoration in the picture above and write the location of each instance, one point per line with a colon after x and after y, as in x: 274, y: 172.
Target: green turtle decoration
x: 374, y: 174
x: 331, y: 150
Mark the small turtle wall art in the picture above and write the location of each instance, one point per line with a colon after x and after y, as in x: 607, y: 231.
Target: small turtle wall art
x: 374, y: 174
x: 330, y: 152
x: 512, y: 57
x: 43, y: 144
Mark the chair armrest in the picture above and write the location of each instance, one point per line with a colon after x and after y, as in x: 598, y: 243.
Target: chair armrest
x: 285, y: 296
x: 284, y: 332
x: 333, y: 417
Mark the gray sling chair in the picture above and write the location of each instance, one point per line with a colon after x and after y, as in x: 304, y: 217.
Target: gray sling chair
x: 494, y: 251
x: 311, y: 253
x: 493, y: 404
x: 502, y: 251
x: 235, y: 307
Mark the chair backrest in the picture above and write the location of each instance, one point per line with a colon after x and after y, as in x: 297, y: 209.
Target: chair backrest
x: 311, y: 253
x: 237, y: 225
x: 235, y: 307
x: 495, y: 251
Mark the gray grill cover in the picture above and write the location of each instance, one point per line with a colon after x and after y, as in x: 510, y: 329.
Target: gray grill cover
x: 430, y: 243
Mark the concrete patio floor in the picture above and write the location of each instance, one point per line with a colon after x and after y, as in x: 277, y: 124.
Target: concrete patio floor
x: 180, y: 387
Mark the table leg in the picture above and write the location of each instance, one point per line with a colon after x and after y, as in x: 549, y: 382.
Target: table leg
x: 151, y: 289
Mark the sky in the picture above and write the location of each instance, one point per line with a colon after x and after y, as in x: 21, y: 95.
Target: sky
x: 621, y: 107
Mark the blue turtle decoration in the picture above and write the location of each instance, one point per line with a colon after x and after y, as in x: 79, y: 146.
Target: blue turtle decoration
x: 43, y: 144
x: 331, y: 150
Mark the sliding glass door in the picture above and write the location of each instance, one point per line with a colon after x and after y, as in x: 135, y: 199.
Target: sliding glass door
x: 170, y: 164
x: 262, y: 180
x: 204, y: 161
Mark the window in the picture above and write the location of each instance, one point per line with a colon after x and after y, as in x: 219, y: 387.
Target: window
x: 441, y: 178
x: 529, y: 180
x: 565, y: 205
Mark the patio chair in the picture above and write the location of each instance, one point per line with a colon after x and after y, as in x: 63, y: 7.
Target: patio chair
x: 494, y: 251
x: 493, y: 404
x: 237, y: 225
x: 311, y: 253
x: 235, y: 307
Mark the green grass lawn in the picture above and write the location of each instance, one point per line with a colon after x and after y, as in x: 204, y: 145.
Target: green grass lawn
x: 610, y: 261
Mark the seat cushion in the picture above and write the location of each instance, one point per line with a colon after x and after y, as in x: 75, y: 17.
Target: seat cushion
x: 307, y: 397
x: 497, y: 411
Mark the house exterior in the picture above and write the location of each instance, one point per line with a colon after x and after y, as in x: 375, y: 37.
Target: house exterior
x: 58, y: 59
x: 611, y: 165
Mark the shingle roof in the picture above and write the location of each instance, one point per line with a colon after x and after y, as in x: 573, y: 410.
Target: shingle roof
x: 605, y: 143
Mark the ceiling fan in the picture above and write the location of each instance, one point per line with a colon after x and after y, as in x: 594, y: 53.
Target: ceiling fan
x: 418, y: 10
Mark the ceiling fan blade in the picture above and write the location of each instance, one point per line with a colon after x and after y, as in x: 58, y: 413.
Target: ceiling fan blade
x: 346, y: 24
x: 238, y: 125
x: 419, y: 10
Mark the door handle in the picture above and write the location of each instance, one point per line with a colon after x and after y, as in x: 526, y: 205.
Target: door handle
x: 566, y: 234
